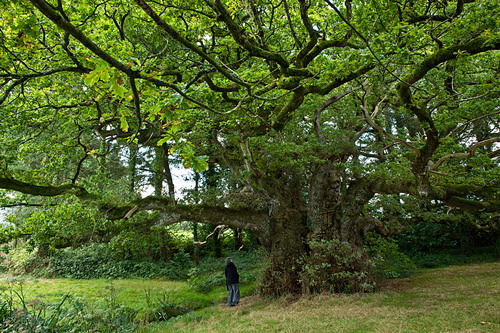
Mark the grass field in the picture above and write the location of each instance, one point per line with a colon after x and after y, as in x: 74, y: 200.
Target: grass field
x: 133, y: 293
x: 454, y: 299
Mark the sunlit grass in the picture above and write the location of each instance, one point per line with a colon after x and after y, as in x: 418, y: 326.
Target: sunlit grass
x: 138, y: 294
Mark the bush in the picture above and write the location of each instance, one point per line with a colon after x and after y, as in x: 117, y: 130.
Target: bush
x: 19, y: 258
x: 157, y: 244
x: 335, y: 266
x: 92, y: 261
x: 389, y: 261
x: 95, y: 262
x: 22, y: 259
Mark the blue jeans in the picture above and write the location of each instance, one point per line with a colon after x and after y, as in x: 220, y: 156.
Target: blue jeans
x: 233, y: 296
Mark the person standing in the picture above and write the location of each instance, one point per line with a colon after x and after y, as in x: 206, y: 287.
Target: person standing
x: 232, y: 283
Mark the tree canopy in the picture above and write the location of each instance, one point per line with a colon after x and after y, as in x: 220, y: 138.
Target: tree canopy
x: 308, y: 111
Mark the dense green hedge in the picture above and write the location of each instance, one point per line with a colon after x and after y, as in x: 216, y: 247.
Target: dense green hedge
x: 95, y: 262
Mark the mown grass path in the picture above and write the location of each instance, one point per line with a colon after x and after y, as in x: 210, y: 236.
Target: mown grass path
x: 453, y: 299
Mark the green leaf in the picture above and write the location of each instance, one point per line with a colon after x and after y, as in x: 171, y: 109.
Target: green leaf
x: 124, y: 123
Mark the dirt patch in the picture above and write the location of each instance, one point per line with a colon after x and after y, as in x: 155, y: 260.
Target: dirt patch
x: 398, y: 284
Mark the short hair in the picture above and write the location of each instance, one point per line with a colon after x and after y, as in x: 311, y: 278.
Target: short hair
x: 228, y: 260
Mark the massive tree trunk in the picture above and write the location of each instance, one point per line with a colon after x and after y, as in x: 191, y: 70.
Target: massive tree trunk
x: 285, y: 244
x: 319, y: 248
x: 336, y: 205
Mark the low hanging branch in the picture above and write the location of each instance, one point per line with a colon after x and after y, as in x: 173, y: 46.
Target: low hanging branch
x: 47, y: 191
x: 221, y: 227
x: 131, y: 212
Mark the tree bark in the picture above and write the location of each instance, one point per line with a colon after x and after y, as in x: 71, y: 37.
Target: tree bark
x: 285, y: 245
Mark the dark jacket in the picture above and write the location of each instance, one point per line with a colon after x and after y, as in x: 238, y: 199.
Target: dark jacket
x: 232, y: 275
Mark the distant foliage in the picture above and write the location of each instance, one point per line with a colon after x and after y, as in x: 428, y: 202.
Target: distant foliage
x: 157, y: 244
x: 210, y: 273
x: 389, y: 261
x: 425, y: 236
x: 428, y: 236
x: 95, y: 262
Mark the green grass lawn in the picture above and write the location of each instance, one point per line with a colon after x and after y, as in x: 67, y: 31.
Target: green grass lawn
x: 139, y: 294
x: 454, y: 299
x: 133, y: 293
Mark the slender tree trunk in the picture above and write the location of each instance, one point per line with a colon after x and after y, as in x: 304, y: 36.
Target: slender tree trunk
x: 168, y: 174
x: 217, y: 246
x: 238, y: 242
x: 132, y: 168
x: 158, y: 172
x: 195, y: 224
x: 196, y: 246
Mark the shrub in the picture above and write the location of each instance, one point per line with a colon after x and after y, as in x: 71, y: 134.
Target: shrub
x: 22, y: 259
x: 95, y: 262
x: 335, y: 266
x: 19, y: 258
x: 157, y: 244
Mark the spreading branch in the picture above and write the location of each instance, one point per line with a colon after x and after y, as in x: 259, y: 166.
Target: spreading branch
x: 471, y: 153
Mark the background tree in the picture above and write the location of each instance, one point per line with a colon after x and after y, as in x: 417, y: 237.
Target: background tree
x: 313, y: 108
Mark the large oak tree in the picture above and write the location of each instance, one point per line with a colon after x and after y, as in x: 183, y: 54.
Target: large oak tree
x: 313, y: 108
